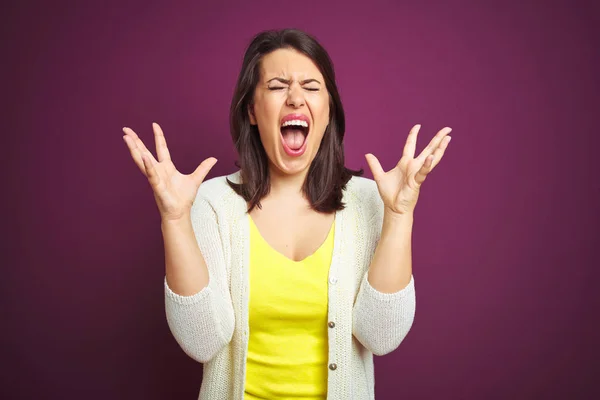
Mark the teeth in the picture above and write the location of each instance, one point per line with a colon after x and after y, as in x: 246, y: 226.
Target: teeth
x: 295, y: 122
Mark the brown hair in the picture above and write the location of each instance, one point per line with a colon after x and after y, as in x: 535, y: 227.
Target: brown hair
x: 327, y: 176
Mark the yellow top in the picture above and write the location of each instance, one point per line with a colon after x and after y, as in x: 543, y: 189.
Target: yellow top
x: 287, y: 349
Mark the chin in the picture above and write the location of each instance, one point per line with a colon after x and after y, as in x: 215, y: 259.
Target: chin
x: 293, y: 165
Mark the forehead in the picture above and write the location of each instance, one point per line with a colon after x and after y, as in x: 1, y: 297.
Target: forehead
x: 289, y: 64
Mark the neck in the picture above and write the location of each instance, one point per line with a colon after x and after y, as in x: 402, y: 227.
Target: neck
x: 286, y: 185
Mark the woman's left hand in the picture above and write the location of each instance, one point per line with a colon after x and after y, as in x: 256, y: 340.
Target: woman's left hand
x: 399, y: 188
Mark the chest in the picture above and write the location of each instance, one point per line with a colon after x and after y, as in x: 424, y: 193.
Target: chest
x: 294, y: 234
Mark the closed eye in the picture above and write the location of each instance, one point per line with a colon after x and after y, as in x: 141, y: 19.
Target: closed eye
x: 281, y: 87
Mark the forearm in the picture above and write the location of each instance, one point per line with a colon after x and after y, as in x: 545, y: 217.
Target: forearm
x: 391, y: 266
x: 186, y: 270
x: 199, y: 313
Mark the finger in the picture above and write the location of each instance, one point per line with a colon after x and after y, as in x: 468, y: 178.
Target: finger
x: 139, y: 144
x: 375, y: 167
x: 439, y: 152
x: 153, y: 176
x: 203, y: 169
x: 144, y: 150
x: 432, y: 160
x: 424, y: 170
x: 435, y: 142
x: 135, y: 153
x: 162, y: 151
x: 130, y: 132
x: 411, y: 142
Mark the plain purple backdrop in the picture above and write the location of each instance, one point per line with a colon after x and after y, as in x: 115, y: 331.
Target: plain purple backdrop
x: 505, y: 241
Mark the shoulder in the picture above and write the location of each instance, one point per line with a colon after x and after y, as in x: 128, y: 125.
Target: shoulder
x: 362, y: 193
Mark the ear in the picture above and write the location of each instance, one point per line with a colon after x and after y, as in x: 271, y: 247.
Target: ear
x: 251, y: 114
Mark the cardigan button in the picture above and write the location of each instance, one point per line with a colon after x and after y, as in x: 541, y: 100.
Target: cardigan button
x: 331, y: 324
x: 333, y: 280
x: 332, y: 366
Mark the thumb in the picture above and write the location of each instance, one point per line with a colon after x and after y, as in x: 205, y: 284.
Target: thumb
x: 203, y: 169
x: 375, y: 166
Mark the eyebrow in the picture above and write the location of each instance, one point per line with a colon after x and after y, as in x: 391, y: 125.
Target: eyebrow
x: 288, y: 81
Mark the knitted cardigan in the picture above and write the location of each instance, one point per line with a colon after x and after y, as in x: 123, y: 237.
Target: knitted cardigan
x: 211, y: 326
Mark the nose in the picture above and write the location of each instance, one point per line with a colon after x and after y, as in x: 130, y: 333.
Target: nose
x: 295, y: 96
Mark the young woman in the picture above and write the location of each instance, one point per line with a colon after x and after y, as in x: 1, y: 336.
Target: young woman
x: 286, y: 276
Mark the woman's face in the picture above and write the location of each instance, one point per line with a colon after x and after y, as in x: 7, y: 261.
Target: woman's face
x: 290, y: 87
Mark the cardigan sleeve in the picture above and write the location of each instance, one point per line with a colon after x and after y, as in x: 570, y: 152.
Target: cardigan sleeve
x: 203, y: 323
x: 381, y: 321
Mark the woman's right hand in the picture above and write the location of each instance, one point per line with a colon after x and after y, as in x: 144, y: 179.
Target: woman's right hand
x: 174, y: 192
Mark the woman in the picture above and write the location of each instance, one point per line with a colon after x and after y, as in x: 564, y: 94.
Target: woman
x: 285, y: 277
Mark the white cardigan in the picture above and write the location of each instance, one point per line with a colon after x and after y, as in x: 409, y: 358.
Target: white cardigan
x: 211, y: 326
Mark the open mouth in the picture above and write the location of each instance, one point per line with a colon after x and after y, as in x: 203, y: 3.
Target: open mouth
x: 294, y: 133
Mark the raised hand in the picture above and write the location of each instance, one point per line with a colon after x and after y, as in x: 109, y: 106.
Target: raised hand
x: 174, y: 192
x: 399, y: 188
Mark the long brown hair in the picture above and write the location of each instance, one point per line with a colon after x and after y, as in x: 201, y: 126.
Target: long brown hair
x: 327, y: 175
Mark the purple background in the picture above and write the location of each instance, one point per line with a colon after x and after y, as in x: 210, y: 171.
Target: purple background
x: 505, y: 244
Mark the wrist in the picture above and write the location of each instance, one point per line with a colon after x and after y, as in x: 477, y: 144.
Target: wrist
x: 397, y: 225
x: 180, y: 220
x: 396, y: 217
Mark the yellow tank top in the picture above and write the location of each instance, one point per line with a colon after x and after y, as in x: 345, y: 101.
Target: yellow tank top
x: 287, y: 349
